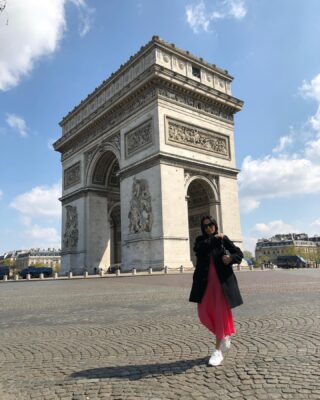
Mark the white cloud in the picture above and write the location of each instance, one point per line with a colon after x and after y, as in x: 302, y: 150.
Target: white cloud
x: 25, y: 220
x: 284, y: 142
x: 42, y: 237
x: 1, y: 194
x: 249, y: 243
x: 85, y: 16
x: 312, y: 151
x: 47, y: 235
x: 266, y: 230
x: 316, y: 223
x: 274, y: 177
x: 50, y: 144
x: 41, y: 201
x: 284, y: 174
x: 274, y: 227
x: 199, y: 18
x: 248, y: 204
x: 271, y: 177
x: 34, y: 31
x: 314, y: 121
x: 237, y: 8
x: 17, y: 123
x: 311, y: 90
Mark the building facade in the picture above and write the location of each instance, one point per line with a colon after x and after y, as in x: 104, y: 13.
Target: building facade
x: 20, y: 259
x: 288, y: 245
x: 144, y: 156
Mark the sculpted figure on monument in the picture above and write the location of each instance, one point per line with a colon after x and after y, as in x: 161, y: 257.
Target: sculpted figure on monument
x: 140, y: 214
x: 71, y: 234
x: 188, y: 135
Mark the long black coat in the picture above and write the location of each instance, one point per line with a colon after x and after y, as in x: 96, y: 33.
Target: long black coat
x: 211, y: 246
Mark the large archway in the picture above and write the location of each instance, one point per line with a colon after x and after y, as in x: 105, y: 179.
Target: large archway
x: 104, y: 211
x: 201, y: 201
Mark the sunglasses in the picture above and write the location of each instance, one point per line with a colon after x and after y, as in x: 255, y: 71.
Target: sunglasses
x: 207, y: 225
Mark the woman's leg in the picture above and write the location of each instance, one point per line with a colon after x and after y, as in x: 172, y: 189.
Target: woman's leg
x: 218, y: 343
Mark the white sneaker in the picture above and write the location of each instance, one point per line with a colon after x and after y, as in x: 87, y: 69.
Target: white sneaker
x: 225, y: 344
x: 216, y: 358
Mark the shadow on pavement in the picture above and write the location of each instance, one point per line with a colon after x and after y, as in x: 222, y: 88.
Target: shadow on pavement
x: 136, y: 372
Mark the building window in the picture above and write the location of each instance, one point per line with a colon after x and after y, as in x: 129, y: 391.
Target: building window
x: 196, y: 71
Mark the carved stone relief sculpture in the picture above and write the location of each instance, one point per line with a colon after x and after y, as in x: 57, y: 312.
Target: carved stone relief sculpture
x: 140, y: 214
x: 72, y: 175
x: 106, y: 123
x: 71, y: 233
x: 180, y: 133
x: 138, y: 138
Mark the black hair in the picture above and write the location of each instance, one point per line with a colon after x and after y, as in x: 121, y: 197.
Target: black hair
x: 211, y: 220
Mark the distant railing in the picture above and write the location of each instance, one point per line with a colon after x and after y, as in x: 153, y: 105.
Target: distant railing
x: 134, y: 272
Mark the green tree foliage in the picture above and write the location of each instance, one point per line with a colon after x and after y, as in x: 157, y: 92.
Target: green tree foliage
x: 8, y: 263
x: 248, y: 255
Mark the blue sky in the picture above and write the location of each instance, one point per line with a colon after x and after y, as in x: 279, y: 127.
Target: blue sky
x: 55, y: 52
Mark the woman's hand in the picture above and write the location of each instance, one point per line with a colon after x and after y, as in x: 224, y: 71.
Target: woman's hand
x: 226, y: 259
x: 219, y: 235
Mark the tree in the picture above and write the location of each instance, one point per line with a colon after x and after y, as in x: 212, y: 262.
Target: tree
x: 290, y: 251
x: 248, y: 255
x: 263, y: 259
x: 8, y: 263
x: 38, y: 264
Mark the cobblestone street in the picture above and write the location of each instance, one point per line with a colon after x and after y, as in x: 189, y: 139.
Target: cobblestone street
x: 139, y: 338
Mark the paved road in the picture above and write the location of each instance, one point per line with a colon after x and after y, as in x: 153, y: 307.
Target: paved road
x: 139, y: 338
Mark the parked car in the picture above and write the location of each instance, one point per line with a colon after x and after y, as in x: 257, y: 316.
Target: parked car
x: 4, y: 271
x: 36, y: 271
x: 291, y: 262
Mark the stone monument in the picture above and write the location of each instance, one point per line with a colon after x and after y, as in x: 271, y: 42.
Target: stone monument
x: 144, y: 156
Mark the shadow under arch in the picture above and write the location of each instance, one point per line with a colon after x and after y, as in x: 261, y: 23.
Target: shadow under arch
x: 100, y: 163
x: 211, y: 186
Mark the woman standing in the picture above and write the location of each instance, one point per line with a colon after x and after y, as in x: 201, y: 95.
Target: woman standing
x: 215, y: 287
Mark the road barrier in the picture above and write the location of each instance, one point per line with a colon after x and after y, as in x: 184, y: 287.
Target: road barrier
x: 133, y: 272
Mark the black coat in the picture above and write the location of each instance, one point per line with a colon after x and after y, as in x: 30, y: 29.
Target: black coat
x: 211, y: 246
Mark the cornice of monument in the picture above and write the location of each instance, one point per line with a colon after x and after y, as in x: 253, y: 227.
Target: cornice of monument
x: 77, y: 194
x: 198, y: 88
x: 155, y: 78
x: 163, y: 59
x: 180, y: 161
x: 154, y: 42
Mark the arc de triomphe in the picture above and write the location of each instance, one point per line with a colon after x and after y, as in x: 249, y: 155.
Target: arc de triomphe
x: 144, y: 156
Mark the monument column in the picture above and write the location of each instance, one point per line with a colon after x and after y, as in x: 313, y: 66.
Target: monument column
x: 97, y: 232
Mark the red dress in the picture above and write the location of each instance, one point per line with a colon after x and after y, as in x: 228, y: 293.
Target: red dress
x: 214, y: 311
